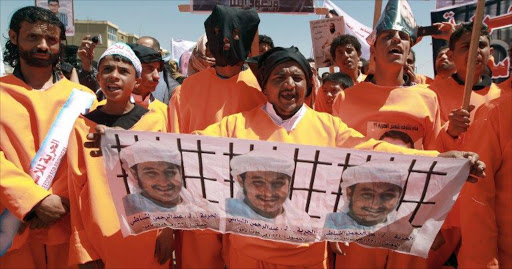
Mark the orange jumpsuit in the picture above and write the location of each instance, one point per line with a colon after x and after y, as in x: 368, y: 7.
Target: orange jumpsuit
x: 201, y: 100
x: 156, y: 105
x: 490, y: 198
x: 204, y: 99
x: 373, y: 110
x: 27, y: 116
x: 450, y: 94
x: 319, y: 129
x: 424, y: 79
x: 475, y: 248
x: 95, y: 229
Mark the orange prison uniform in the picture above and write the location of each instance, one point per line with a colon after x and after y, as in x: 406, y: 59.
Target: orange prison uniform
x: 318, y: 129
x: 506, y: 85
x: 415, y: 106
x: 26, y: 118
x: 422, y: 79
x: 489, y: 200
x: 201, y: 100
x: 155, y: 105
x: 450, y: 95
x: 204, y: 99
x: 95, y: 229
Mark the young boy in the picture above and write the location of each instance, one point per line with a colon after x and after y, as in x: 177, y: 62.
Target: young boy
x: 96, y: 237
x: 332, y: 84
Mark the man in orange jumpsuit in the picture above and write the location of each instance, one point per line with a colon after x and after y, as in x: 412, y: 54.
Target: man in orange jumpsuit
x: 492, y: 139
x: 37, y: 107
x: 450, y: 90
x: 285, y: 77
x: 96, y: 239
x: 205, y: 98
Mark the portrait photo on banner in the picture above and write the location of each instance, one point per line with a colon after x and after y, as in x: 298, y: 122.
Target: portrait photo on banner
x: 278, y: 191
x: 63, y: 9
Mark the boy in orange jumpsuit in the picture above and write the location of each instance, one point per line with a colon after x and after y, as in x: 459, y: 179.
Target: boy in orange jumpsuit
x: 332, y: 85
x: 96, y: 238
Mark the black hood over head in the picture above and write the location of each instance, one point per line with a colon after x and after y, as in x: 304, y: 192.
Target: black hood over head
x: 221, y: 24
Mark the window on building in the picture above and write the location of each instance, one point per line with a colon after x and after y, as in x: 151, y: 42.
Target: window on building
x: 112, y: 34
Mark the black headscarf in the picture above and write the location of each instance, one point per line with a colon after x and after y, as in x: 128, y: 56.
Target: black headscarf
x: 226, y: 20
x: 146, y: 54
x: 270, y: 59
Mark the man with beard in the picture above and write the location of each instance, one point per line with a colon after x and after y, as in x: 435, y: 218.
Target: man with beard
x: 443, y: 66
x: 326, y: 47
x: 206, y: 97
x: 373, y: 191
x: 39, y: 109
x: 345, y: 51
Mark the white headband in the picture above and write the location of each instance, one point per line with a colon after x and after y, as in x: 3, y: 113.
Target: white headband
x: 258, y: 160
x: 122, y: 49
x: 375, y: 171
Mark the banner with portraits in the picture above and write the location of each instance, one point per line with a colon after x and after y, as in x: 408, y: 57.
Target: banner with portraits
x: 264, y: 6
x: 63, y: 9
x: 278, y: 191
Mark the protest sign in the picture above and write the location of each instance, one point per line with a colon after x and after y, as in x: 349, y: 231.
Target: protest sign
x: 353, y: 27
x: 497, y: 17
x: 181, y: 51
x: 63, y: 9
x: 278, y: 191
x: 265, y: 6
x: 323, y: 32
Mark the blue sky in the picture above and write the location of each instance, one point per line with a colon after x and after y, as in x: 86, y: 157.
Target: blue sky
x: 162, y: 20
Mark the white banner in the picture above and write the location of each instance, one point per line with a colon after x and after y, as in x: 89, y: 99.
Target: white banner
x: 278, y: 191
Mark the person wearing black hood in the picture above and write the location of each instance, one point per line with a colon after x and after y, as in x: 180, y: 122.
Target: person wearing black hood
x: 209, y: 95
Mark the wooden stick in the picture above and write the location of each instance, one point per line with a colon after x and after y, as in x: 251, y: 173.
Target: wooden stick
x: 255, y: 46
x: 376, y: 12
x: 185, y: 8
x: 321, y: 10
x: 473, y: 51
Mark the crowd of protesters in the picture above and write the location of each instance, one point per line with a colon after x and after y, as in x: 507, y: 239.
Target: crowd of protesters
x: 272, y: 94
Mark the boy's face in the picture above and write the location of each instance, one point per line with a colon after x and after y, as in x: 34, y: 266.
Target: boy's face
x: 117, y: 79
x: 331, y: 89
x: 460, y: 54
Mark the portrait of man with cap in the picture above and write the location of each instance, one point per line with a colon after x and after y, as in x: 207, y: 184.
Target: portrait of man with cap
x: 156, y: 180
x: 265, y: 181
x: 372, y: 192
